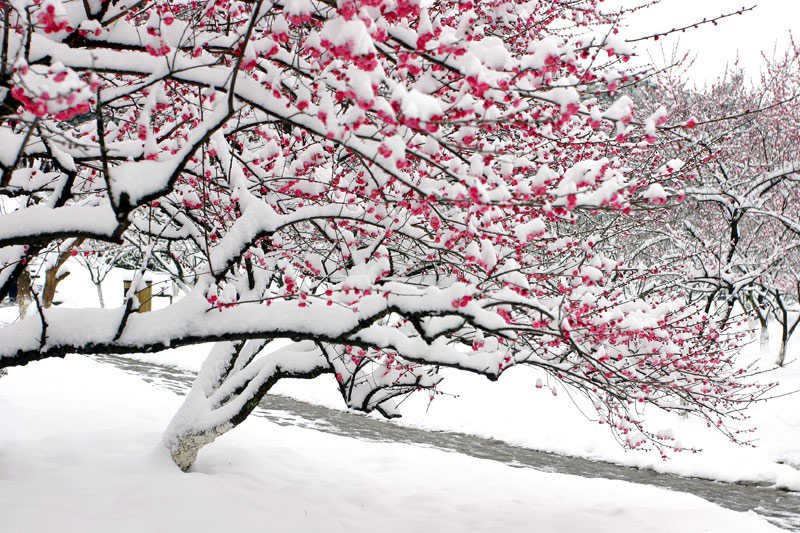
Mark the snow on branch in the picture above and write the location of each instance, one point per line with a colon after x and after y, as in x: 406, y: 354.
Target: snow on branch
x: 392, y: 186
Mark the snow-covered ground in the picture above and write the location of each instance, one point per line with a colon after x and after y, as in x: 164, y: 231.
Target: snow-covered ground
x: 77, y: 420
x: 513, y: 410
x: 79, y: 452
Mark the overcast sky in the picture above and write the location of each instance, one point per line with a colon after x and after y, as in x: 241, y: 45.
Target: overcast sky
x: 750, y: 34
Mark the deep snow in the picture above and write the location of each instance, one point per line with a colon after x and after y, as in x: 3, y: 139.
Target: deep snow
x: 79, y: 452
x: 80, y: 440
x: 513, y: 410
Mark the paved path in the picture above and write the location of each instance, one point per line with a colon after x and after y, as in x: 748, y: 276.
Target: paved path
x: 779, y: 507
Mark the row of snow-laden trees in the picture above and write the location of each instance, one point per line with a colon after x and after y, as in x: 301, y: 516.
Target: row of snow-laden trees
x: 395, y: 186
x: 735, y: 237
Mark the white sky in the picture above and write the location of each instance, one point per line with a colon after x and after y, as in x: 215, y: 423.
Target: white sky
x: 748, y: 35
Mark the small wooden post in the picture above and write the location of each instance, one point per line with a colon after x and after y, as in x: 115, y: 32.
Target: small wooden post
x: 145, y: 296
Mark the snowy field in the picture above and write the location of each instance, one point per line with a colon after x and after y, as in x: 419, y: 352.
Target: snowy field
x: 81, y: 440
x: 516, y: 412
x: 79, y: 453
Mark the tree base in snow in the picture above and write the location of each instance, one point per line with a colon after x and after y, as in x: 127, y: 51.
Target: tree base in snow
x: 184, y: 453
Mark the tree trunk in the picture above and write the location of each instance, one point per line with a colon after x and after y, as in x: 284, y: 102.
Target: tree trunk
x: 215, y: 406
x: 51, y: 280
x: 184, y: 452
x: 763, y: 338
x: 24, y: 293
x: 100, y: 295
x: 189, y: 431
x: 782, y: 353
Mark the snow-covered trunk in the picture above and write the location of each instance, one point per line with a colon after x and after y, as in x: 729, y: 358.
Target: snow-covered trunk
x: 788, y: 319
x: 100, y: 299
x: 228, y: 387
x: 189, y: 430
x: 726, y: 309
x: 759, y: 315
x: 751, y: 326
x: 787, y: 330
x: 186, y: 447
x: 764, y: 338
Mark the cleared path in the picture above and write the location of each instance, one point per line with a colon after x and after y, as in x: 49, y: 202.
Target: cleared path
x: 779, y: 507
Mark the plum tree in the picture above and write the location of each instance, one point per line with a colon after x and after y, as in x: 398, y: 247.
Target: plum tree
x: 394, y: 186
x: 736, y: 234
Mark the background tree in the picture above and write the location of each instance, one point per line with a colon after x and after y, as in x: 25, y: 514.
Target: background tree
x: 394, y: 187
x: 736, y: 234
x: 99, y: 259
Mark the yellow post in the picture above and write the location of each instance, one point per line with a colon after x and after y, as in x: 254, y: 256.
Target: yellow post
x: 145, y: 296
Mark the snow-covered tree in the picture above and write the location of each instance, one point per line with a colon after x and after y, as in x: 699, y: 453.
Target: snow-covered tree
x: 395, y: 186
x: 99, y: 259
x: 737, y: 233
